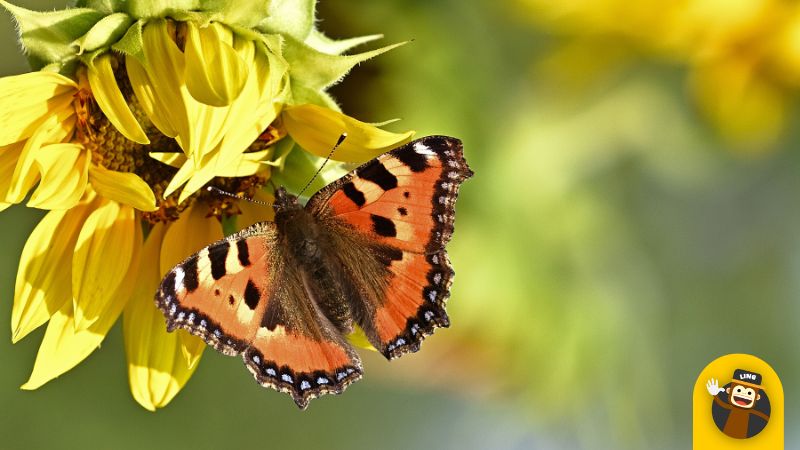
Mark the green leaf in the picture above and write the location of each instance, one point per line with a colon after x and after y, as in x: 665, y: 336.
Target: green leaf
x: 104, y: 33
x: 282, y: 150
x: 66, y: 67
x: 104, y: 6
x: 132, y: 43
x: 244, y: 14
x: 298, y: 168
x: 294, y: 18
x: 301, y: 95
x: 48, y: 37
x: 245, y: 32
x: 324, y: 44
x: 315, y: 70
x: 145, y: 9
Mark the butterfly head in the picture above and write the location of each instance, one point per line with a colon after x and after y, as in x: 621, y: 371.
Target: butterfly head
x: 284, y: 201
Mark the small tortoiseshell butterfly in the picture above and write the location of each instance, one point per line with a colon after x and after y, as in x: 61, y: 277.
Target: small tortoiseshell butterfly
x: 367, y: 250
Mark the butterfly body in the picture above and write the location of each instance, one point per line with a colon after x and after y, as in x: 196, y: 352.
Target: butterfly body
x: 367, y: 251
x: 308, y: 246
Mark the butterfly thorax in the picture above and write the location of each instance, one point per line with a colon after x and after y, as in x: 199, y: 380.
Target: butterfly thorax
x: 306, y: 244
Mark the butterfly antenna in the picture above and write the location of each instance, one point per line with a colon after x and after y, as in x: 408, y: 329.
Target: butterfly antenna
x: 229, y: 194
x: 338, y: 143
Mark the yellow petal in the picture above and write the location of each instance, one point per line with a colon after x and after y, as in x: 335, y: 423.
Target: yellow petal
x: 191, y: 347
x: 200, y: 177
x: 44, y: 281
x: 144, y: 90
x: 173, y: 159
x: 247, y: 164
x: 123, y: 187
x: 108, y: 96
x: 181, y: 177
x: 749, y: 111
x: 317, y: 129
x: 157, y: 365
x: 215, y: 75
x: 9, y: 156
x: 65, y: 345
x: 25, y: 173
x: 359, y: 339
x: 166, y: 66
x: 64, y: 170
x: 213, y: 124
x: 199, y: 127
x: 253, y: 213
x: 257, y: 107
x: 187, y: 235
x: 103, y: 254
x: 249, y: 116
x: 242, y: 165
x: 27, y: 100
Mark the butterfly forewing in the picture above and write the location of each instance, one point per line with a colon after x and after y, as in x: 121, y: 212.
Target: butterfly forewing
x: 404, y: 198
x: 212, y: 293
x: 402, y: 204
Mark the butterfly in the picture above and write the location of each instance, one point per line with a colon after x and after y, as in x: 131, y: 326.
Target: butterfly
x: 367, y: 250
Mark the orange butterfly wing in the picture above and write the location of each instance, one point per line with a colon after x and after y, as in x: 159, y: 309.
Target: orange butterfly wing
x: 227, y: 295
x: 403, y: 203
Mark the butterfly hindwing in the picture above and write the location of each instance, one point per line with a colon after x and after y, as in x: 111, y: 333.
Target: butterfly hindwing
x: 412, y: 303
x: 227, y: 294
x: 401, y: 206
x: 296, y: 349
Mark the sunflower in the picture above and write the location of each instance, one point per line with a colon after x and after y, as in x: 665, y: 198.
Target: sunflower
x: 132, y: 109
x: 742, y: 58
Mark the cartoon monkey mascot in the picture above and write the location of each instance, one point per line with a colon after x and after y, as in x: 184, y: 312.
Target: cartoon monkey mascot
x: 739, y: 409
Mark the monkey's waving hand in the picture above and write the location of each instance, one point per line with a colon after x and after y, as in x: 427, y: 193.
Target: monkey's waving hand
x: 713, y: 387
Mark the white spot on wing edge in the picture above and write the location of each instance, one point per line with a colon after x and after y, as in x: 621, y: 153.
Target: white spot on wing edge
x: 422, y: 149
x: 179, y: 274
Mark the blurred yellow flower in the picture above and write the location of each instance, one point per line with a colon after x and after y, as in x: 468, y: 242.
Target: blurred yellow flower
x: 742, y: 56
x: 117, y: 146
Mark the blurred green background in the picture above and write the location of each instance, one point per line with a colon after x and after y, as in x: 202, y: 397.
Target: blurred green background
x: 634, y: 215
